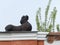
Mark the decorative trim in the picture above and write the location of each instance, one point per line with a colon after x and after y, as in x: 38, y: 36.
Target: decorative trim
x: 42, y: 35
x: 23, y: 36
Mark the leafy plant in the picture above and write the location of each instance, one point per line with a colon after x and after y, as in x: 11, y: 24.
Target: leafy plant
x: 58, y: 28
x: 48, y: 24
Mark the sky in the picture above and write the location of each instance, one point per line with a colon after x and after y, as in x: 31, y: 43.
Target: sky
x: 11, y: 11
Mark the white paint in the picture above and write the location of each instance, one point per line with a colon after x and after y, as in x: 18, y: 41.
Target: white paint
x: 42, y: 35
x: 23, y: 36
x: 18, y: 36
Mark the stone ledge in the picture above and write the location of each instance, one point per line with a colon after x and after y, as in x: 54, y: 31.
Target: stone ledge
x: 24, y: 35
x: 20, y: 32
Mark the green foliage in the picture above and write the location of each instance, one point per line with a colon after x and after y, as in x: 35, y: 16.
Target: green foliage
x: 38, y: 23
x: 54, y: 17
x: 58, y: 29
x: 46, y: 25
x: 49, y: 28
x: 46, y: 13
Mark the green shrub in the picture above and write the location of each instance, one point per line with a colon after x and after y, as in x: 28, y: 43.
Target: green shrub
x: 48, y: 24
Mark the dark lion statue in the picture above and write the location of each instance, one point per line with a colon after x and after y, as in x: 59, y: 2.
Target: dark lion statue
x: 25, y: 25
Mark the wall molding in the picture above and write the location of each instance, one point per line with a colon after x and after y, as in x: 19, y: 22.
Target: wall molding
x: 28, y: 35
